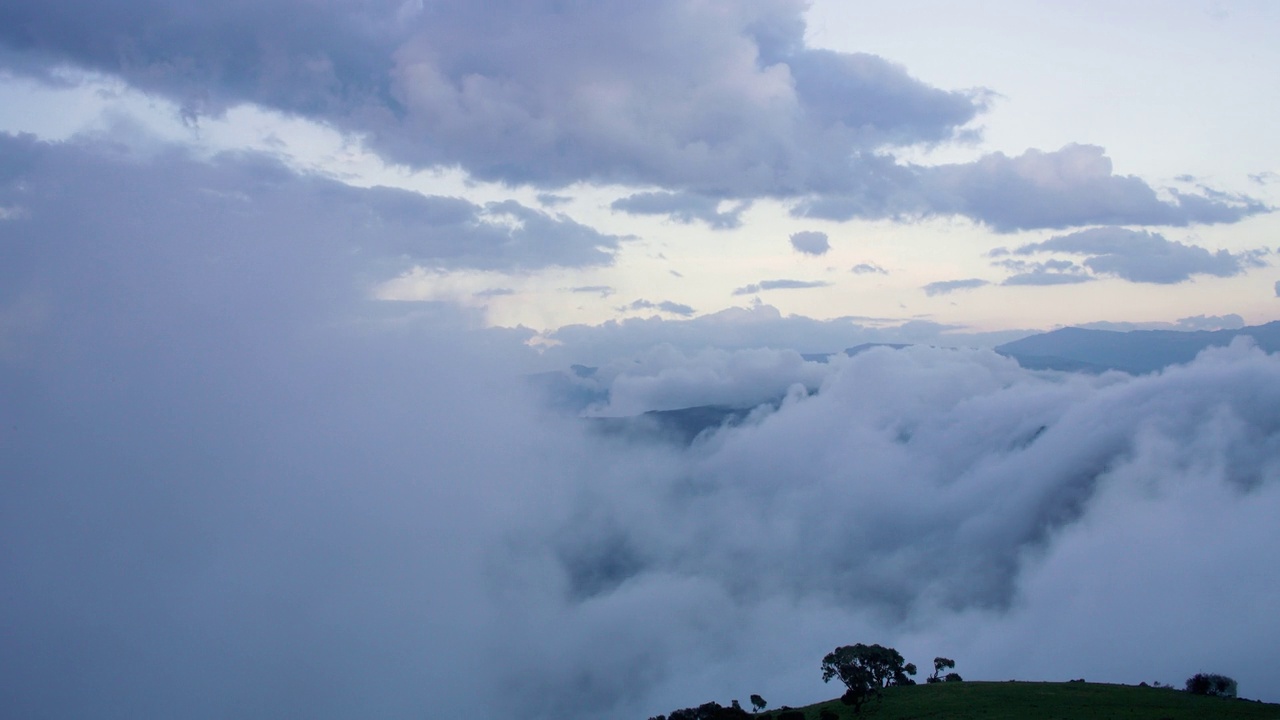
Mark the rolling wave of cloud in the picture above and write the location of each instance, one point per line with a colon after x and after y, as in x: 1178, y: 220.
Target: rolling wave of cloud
x: 234, y: 487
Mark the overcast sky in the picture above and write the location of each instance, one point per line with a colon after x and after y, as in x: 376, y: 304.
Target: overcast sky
x: 271, y: 273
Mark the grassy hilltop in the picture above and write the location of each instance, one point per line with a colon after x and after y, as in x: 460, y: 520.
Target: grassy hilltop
x: 1039, y: 701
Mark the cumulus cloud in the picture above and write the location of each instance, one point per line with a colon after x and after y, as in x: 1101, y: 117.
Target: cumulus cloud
x: 684, y: 207
x: 1143, y: 256
x: 763, y: 285
x: 1069, y: 187
x: 946, y: 287
x: 703, y: 101
x: 869, y: 269
x: 810, y: 242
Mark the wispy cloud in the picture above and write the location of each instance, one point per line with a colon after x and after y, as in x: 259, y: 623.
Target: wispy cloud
x: 764, y: 285
x: 946, y: 287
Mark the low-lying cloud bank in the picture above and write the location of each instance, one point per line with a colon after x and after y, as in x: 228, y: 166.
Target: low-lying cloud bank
x: 232, y: 487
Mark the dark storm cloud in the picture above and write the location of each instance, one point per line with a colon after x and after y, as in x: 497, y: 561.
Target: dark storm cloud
x: 810, y: 242
x: 1142, y: 256
x: 764, y: 285
x: 946, y: 287
x: 683, y: 207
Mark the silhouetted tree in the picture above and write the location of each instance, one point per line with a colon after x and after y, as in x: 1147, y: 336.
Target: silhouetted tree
x: 708, y: 711
x: 1211, y: 684
x: 940, y: 664
x: 865, y: 670
x: 758, y: 703
x: 953, y: 677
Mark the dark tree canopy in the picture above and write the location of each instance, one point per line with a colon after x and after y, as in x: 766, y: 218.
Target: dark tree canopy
x: 758, y: 703
x: 865, y: 670
x: 875, y: 666
x: 940, y: 664
x: 1211, y: 684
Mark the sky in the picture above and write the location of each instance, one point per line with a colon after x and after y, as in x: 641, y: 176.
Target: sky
x: 273, y: 277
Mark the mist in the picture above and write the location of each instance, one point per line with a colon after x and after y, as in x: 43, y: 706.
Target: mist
x: 234, y: 486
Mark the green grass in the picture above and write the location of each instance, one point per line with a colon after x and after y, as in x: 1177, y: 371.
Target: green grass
x: 1042, y: 701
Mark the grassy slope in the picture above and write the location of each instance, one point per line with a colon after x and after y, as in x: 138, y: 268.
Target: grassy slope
x: 1044, y: 701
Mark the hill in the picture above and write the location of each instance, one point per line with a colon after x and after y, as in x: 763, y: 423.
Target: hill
x: 1040, y: 700
x: 1138, y: 352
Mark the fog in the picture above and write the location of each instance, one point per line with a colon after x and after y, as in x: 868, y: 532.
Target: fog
x: 235, y: 487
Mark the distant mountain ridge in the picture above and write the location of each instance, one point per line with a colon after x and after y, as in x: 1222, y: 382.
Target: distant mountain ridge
x: 1137, y: 351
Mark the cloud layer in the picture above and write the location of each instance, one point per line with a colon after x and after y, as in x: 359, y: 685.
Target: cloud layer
x: 703, y: 101
x: 237, y: 488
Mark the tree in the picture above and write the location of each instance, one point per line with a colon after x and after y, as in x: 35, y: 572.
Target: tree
x: 1211, y: 684
x: 757, y: 703
x: 865, y: 670
x: 940, y: 664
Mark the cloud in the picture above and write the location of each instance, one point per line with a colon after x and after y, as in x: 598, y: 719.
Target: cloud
x: 762, y: 326
x: 1070, y: 187
x: 810, y: 242
x: 547, y: 199
x: 1141, y: 256
x: 666, y: 306
x: 603, y: 291
x: 683, y: 207
x: 247, y: 193
x: 1040, y: 277
x: 869, y: 269
x: 1278, y: 288
x: 779, y: 285
x: 1230, y: 321
x: 703, y: 101
x: 495, y: 292
x: 664, y: 378
x: 236, y: 487
x: 946, y: 287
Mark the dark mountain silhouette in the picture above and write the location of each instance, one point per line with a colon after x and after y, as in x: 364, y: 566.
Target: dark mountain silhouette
x: 1138, y: 352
